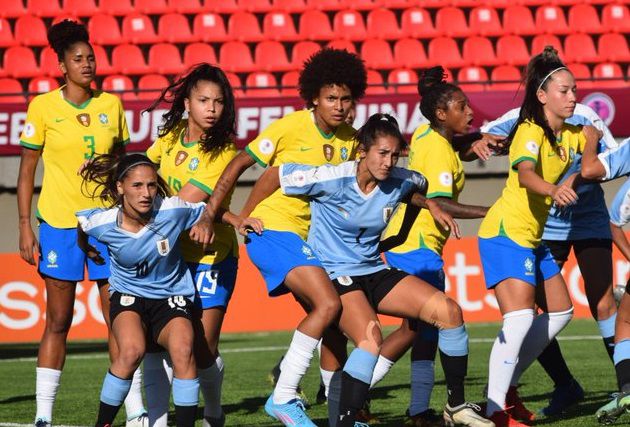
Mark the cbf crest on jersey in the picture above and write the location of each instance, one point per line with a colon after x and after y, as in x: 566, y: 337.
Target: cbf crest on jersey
x: 194, y: 164
x: 344, y: 153
x: 103, y: 118
x: 84, y: 119
x: 163, y: 247
x: 180, y: 157
x: 329, y: 152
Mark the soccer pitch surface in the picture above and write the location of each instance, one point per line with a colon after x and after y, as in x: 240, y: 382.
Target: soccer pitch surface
x: 250, y: 357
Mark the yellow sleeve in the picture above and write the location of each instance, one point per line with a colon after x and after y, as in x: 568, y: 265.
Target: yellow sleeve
x: 264, y: 147
x: 212, y: 167
x: 122, y: 123
x: 581, y: 142
x: 439, y: 172
x: 526, y: 144
x: 34, y: 132
x: 154, y: 152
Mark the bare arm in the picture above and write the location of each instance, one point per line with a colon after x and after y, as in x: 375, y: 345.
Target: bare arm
x: 620, y: 239
x: 90, y: 251
x: 592, y: 168
x: 459, y: 210
x: 25, y: 188
x: 226, y: 182
x: 479, y: 146
x: 562, y: 195
x: 443, y: 218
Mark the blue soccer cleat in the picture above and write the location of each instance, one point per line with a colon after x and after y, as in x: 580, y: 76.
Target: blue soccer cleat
x: 290, y: 413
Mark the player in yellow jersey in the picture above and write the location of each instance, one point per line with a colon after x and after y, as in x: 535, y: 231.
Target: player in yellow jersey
x: 514, y: 261
x: 192, y: 153
x: 66, y: 127
x: 329, y: 83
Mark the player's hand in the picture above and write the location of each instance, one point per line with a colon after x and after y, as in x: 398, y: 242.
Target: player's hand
x: 93, y: 254
x: 488, y: 146
x: 28, y: 243
x: 564, y: 195
x: 444, y: 219
x: 250, y: 225
x: 592, y: 133
x: 203, y: 231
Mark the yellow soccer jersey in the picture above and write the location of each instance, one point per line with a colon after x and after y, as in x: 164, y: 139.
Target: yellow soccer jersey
x: 296, y: 139
x: 521, y: 215
x: 69, y: 134
x: 433, y: 156
x: 182, y: 163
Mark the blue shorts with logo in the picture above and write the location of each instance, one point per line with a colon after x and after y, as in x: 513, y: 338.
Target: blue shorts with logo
x: 214, y: 282
x: 275, y: 253
x: 422, y: 263
x: 61, y: 258
x: 502, y: 258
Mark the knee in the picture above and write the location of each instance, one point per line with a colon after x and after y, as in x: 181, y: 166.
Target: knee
x: 130, y: 355
x: 181, y: 353
x: 373, y: 338
x: 329, y: 309
x: 453, y: 316
x: 605, y: 308
x: 58, y: 322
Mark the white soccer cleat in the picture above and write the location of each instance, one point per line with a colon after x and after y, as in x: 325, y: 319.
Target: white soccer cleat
x: 141, y: 421
x: 465, y: 414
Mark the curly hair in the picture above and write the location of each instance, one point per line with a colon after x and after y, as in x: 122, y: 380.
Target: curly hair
x: 216, y: 137
x: 435, y: 92
x: 332, y: 67
x: 64, y: 34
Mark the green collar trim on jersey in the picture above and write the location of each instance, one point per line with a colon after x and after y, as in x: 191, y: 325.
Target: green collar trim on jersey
x: 425, y: 133
x: 186, y: 144
x: 324, y: 134
x: 79, y: 106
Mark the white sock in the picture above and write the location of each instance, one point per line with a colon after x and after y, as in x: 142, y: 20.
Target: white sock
x: 133, y: 402
x: 46, y: 385
x: 504, y: 356
x: 544, y: 328
x: 158, y: 376
x: 210, y: 382
x: 383, y: 365
x: 326, y: 377
x: 294, y: 365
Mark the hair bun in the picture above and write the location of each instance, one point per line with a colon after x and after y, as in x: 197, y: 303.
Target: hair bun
x: 430, y: 78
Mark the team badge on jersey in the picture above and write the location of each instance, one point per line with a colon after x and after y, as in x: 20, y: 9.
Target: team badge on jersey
x: 194, y: 164
x: 52, y: 259
x: 387, y: 213
x: 103, y: 118
x: 329, y: 152
x: 344, y: 153
x: 127, y: 300
x: 29, y: 130
x: 344, y: 280
x: 84, y: 119
x: 265, y: 146
x: 163, y: 247
x: 529, y: 266
x: 180, y: 157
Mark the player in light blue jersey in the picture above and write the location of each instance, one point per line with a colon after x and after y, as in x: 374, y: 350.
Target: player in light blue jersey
x: 151, y: 288
x: 583, y: 227
x: 350, y: 206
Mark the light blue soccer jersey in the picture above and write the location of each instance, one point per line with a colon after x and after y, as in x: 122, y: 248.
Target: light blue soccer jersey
x: 147, y: 263
x: 616, y: 161
x: 588, y: 219
x: 620, y: 209
x: 346, y: 224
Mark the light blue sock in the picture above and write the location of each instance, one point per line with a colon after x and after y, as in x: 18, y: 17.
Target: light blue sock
x: 454, y: 342
x: 422, y: 380
x: 114, y: 389
x: 607, y: 327
x: 622, y: 351
x: 186, y: 392
x: 360, y: 365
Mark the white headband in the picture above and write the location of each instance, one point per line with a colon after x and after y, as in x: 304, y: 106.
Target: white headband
x: 549, y: 75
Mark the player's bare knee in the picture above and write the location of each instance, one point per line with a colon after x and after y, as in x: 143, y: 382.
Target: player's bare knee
x: 58, y: 323
x: 328, y: 309
x: 130, y: 355
x: 373, y: 338
x: 605, y: 308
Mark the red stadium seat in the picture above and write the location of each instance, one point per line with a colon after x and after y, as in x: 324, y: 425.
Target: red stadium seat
x: 289, y: 6
x: 137, y: 28
x: 196, y: 53
x: 348, y: 24
x: 381, y: 23
x: 164, y: 58
x: 540, y: 41
x: 550, y: 19
x: 583, y: 18
x: 243, y: 26
x: 302, y: 51
x: 221, y: 6
x: 236, y: 84
x: 11, y: 91
x: 270, y: 55
x: 80, y: 7
x: 410, y: 53
x: 377, y: 54
x: 444, y: 51
x: 315, y: 25
x: 484, y: 20
x: 416, y: 23
x: 375, y: 82
x: 616, y: 18
x: 342, y: 44
x: 128, y: 59
x: 185, y: 6
x: 49, y: 63
x: 42, y: 84
x: 505, y: 77
x: 279, y: 26
x: 479, y: 51
x: 519, y: 20
x: 236, y: 57
x: 613, y: 47
x: 6, y: 35
x: 608, y: 75
x: 174, y: 28
x: 45, y: 8
x: 580, y: 48
x: 150, y: 86
x: 451, y: 22
x: 30, y: 31
x: 19, y: 62
x: 397, y: 4
x: 403, y: 80
x: 289, y: 84
x: 209, y: 27
x: 255, y: 5
x: 116, y: 7
x: 12, y: 9
x: 359, y: 4
x: 103, y: 66
x: 261, y: 84
x: 436, y: 4
x: 582, y: 75
x: 63, y: 17
x: 104, y: 30
x: 120, y: 85
x: 151, y: 7
x: 512, y: 50
x: 472, y: 79
x: 324, y: 5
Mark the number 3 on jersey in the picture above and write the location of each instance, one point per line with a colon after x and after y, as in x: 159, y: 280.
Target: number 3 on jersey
x: 205, y: 278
